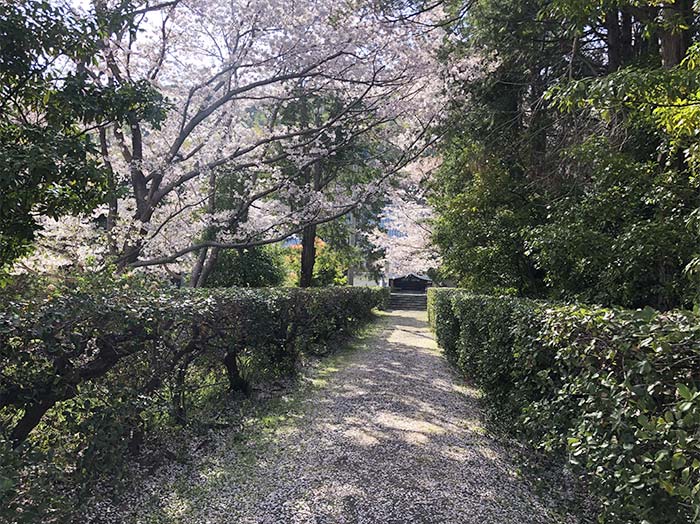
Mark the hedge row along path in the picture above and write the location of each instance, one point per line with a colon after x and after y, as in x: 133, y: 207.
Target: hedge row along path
x: 392, y: 437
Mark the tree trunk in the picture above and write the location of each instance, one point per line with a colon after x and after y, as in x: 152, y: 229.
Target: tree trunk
x: 308, y: 238
x: 112, y: 203
x: 197, y: 268
x: 352, y: 242
x: 235, y: 381
x: 677, y: 32
x: 308, y: 255
x: 131, y: 252
x: 180, y: 393
x: 612, y: 26
x: 626, y: 40
x: 31, y: 418
x: 671, y: 49
x: 206, y: 260
x: 209, y: 266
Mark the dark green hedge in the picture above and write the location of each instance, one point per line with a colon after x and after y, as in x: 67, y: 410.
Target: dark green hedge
x: 85, y: 375
x: 616, y: 390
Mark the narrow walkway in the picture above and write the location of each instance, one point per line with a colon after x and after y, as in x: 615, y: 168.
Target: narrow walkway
x: 394, y: 437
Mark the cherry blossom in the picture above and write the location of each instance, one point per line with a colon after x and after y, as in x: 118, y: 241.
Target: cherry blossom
x: 406, y: 233
x: 229, y: 71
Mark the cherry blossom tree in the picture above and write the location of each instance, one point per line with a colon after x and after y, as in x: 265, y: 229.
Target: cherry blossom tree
x: 229, y: 71
x: 405, y: 235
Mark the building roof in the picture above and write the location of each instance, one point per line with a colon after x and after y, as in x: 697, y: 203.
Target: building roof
x: 414, y: 275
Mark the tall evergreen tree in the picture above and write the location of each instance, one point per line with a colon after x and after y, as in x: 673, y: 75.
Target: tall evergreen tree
x: 564, y: 175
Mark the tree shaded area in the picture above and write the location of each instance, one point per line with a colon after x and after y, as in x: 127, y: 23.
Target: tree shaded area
x: 570, y: 167
x: 96, y: 371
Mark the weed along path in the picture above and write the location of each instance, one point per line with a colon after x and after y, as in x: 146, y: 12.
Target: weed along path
x: 387, y: 434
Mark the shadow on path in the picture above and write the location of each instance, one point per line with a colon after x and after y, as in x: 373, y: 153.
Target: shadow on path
x: 394, y: 437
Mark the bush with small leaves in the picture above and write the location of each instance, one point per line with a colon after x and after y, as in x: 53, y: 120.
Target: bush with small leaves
x: 617, y: 391
x: 86, y: 373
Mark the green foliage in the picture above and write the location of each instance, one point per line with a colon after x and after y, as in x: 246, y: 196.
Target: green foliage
x: 664, y: 101
x: 49, y: 161
x: 330, y: 268
x: 616, y: 390
x: 570, y: 169
x: 484, y: 194
x: 481, y: 224
x: 353, y: 248
x: 255, y: 267
x: 88, y: 373
x: 620, y: 239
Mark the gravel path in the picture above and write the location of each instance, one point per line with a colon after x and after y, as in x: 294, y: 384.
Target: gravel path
x: 393, y: 437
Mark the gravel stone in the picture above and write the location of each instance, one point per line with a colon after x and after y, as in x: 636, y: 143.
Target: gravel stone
x: 393, y: 437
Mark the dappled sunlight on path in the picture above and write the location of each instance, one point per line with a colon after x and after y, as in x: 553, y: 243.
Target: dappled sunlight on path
x: 393, y: 437
x: 396, y: 438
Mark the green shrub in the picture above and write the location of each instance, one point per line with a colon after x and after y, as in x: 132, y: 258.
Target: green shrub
x: 615, y: 390
x: 254, y: 267
x: 85, y: 374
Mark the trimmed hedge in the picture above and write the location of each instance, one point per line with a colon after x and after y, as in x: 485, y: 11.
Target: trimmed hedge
x: 616, y: 390
x: 85, y: 375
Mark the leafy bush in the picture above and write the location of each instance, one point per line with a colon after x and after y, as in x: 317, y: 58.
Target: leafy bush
x: 254, y: 267
x: 84, y: 375
x: 616, y: 390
